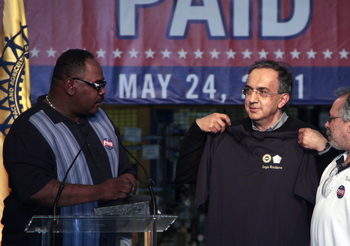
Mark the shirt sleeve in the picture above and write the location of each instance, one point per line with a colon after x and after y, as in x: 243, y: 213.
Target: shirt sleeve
x: 29, y: 161
x: 308, y: 178
x: 190, y: 154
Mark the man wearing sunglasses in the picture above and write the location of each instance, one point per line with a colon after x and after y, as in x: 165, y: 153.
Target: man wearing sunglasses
x: 65, y: 140
x: 330, y: 224
x: 257, y: 182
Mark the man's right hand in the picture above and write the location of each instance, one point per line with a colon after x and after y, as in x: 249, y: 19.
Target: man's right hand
x: 116, y: 188
x: 214, y: 123
x: 311, y: 139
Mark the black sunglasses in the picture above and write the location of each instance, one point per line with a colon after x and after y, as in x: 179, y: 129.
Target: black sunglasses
x: 96, y: 86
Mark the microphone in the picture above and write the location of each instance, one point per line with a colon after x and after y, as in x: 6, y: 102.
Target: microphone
x: 150, y: 182
x: 63, y: 182
x: 51, y: 226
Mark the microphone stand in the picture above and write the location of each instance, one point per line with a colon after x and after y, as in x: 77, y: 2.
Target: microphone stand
x: 59, y: 193
x: 62, y: 185
x: 150, y: 183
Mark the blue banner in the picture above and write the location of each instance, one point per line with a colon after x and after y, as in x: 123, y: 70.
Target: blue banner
x: 194, y: 51
x: 212, y: 85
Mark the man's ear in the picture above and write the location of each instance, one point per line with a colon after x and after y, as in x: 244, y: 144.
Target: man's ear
x: 69, y: 86
x: 348, y: 127
x: 283, y: 100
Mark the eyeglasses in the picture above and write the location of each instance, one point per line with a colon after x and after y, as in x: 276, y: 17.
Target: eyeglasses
x: 330, y: 118
x: 261, y: 92
x: 96, y: 86
x: 327, y: 186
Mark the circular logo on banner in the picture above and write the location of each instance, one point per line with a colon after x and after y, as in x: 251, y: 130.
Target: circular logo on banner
x: 341, y: 191
x: 266, y: 158
x: 14, y: 78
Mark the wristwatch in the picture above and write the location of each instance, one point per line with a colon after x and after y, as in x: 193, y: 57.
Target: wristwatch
x: 328, y: 145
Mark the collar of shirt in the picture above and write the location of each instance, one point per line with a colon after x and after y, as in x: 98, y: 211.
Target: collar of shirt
x: 341, y: 162
x: 55, y: 115
x: 277, y: 125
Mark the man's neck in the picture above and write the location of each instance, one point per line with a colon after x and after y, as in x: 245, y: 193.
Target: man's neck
x: 270, y: 127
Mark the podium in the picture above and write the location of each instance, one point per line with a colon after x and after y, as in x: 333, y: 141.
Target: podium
x: 49, y: 226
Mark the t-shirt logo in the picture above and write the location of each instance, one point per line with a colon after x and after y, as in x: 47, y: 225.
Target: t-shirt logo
x: 108, y: 143
x: 266, y: 158
x: 276, y: 159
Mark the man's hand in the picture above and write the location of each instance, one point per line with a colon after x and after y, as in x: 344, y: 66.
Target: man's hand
x: 111, y: 189
x: 311, y: 139
x: 214, y: 123
x: 118, y: 187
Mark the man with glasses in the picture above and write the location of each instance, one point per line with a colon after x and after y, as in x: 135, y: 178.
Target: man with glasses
x: 258, y: 183
x: 330, y: 223
x: 65, y: 134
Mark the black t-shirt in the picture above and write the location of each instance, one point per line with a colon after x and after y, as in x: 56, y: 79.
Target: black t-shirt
x: 259, y: 186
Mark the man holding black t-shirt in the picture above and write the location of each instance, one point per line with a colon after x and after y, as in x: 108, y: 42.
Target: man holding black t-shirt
x: 258, y: 182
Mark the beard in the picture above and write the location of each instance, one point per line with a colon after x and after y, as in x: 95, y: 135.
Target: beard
x: 335, y: 144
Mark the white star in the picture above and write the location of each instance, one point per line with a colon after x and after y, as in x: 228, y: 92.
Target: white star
x: 101, y: 53
x: 51, y: 52
x: 117, y: 53
x: 279, y: 54
x: 182, y: 54
x: 149, y: 53
x: 246, y: 54
x: 34, y: 52
x: 343, y: 54
x: 311, y: 54
x: 133, y: 53
x: 327, y: 54
x: 231, y: 54
x: 166, y: 53
x: 295, y: 54
x: 214, y: 54
x: 263, y: 54
x: 198, y: 54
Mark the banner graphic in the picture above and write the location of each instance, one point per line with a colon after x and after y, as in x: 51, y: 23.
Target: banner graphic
x: 194, y: 51
x: 14, y: 77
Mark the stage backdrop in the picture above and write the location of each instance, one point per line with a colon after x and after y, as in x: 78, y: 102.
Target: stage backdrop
x: 193, y: 51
